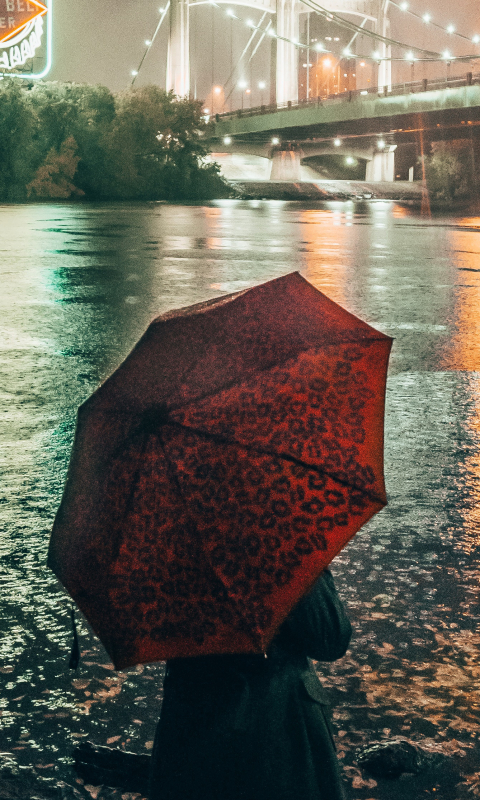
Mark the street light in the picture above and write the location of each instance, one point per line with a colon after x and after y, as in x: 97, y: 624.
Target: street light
x: 411, y: 58
x: 261, y: 86
x: 227, y: 140
x: 242, y: 85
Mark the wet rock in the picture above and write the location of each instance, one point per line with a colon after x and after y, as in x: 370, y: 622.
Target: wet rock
x: 392, y: 758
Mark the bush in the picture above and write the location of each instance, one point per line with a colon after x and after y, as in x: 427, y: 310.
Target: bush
x: 448, y: 170
x: 68, y: 140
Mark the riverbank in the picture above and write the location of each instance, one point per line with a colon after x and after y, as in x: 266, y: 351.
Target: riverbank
x: 401, y: 191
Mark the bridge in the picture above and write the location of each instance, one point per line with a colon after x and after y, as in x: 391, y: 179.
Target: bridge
x: 340, y: 79
x: 363, y: 125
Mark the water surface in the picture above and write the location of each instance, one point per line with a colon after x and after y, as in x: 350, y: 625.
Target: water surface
x: 79, y: 285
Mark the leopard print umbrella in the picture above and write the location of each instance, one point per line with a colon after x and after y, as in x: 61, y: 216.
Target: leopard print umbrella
x: 219, y: 470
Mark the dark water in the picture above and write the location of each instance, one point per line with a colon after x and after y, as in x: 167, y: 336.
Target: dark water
x: 79, y: 284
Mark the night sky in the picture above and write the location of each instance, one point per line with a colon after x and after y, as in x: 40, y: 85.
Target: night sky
x: 101, y: 41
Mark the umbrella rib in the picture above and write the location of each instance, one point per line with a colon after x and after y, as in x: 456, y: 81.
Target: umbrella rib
x: 217, y: 437
x: 175, y: 480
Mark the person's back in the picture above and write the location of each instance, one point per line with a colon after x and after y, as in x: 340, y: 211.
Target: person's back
x: 254, y: 727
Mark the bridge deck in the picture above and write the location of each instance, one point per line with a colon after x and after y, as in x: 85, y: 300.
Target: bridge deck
x: 371, y: 110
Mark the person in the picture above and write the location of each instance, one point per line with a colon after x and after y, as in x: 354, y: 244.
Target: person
x: 255, y: 727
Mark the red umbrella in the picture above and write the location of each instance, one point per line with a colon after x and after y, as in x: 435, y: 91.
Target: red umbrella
x: 219, y: 470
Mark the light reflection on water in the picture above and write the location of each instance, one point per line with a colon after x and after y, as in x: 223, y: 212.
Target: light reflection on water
x: 77, y: 293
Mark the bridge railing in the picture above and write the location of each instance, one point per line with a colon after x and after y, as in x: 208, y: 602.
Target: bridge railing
x: 405, y: 88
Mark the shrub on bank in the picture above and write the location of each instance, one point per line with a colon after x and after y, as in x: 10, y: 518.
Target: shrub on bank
x: 450, y: 170
x: 68, y: 140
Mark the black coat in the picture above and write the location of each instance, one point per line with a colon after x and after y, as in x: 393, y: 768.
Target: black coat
x: 254, y: 727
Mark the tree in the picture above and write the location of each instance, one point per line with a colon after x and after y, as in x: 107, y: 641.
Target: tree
x: 79, y: 110
x: 448, y: 169
x: 65, y: 139
x: 54, y: 178
x: 17, y: 129
x: 156, y: 147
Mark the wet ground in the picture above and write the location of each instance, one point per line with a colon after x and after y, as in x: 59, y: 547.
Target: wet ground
x: 79, y: 285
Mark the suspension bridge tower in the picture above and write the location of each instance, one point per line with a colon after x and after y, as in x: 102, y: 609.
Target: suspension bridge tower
x: 372, y: 13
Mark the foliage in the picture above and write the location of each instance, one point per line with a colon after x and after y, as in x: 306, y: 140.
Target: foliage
x: 17, y: 129
x: 54, y: 177
x: 448, y: 169
x: 141, y: 144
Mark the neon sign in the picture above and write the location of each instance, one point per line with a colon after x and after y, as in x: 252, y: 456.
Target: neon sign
x: 25, y: 37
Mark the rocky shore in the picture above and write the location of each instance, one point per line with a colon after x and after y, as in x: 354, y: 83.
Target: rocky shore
x: 401, y: 191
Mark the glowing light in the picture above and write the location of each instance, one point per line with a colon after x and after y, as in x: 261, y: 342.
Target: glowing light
x: 261, y: 84
x: 242, y: 84
x: 427, y: 18
x: 364, y: 91
x: 18, y: 21
x: 347, y: 52
x: 404, y: 6
x: 327, y: 62
x: 148, y: 42
x: 247, y: 91
x: 349, y: 160
x: 230, y: 12
x: 446, y: 55
x: 227, y: 140
x: 134, y: 72
x: 381, y: 144
x: 476, y: 39
x: 217, y: 89
x: 250, y: 23
x: 450, y: 28
x: 318, y: 47
x: 376, y: 55
x: 362, y: 63
x: 271, y: 32
x: 162, y: 10
x: 206, y: 110
x: 21, y: 42
x: 409, y: 56
x: 275, y: 140
x: 337, y: 142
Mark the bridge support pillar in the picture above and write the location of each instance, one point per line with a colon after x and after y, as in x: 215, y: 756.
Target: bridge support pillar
x: 178, y: 60
x: 285, y: 166
x: 385, y: 67
x: 288, y: 26
x: 381, y: 167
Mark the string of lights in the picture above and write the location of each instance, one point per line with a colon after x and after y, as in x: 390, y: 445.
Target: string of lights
x: 427, y: 18
x: 149, y: 42
x: 412, y: 53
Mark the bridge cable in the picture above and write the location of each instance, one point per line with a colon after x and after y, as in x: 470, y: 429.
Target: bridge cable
x: 147, y: 50
x: 429, y: 21
x: 245, y: 50
x: 371, y: 34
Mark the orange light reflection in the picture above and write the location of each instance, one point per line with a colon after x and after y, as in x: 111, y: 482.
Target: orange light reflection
x: 464, y: 355
x: 324, y: 251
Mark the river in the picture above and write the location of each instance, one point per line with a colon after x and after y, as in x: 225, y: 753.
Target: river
x: 79, y: 285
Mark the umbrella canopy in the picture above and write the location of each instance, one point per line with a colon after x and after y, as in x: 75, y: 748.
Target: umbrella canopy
x: 219, y: 470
